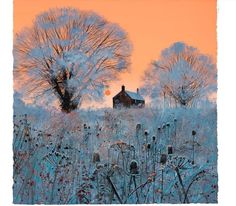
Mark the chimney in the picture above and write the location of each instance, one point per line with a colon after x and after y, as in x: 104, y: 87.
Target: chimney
x: 123, y: 88
x: 137, y: 90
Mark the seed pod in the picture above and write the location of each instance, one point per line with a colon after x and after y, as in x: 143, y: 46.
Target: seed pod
x: 194, y: 132
x: 169, y: 149
x: 163, y: 159
x: 96, y: 157
x: 153, y: 138
x: 27, y: 133
x: 134, y: 167
x: 138, y: 127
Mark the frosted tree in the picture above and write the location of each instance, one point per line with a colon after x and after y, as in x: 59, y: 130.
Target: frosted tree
x: 68, y: 56
x: 181, y: 74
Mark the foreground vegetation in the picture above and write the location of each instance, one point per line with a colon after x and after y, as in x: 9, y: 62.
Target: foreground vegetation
x: 116, y: 156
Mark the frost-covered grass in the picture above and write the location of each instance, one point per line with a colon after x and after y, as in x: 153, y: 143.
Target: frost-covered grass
x: 86, y: 156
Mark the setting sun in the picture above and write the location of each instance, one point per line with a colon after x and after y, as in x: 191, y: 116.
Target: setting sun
x: 107, y: 92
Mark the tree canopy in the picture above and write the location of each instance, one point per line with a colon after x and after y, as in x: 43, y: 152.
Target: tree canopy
x: 68, y: 56
x: 181, y: 73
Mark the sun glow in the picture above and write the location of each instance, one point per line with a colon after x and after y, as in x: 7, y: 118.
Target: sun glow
x: 107, y: 92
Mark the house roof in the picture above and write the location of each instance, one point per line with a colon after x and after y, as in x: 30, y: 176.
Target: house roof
x: 134, y: 95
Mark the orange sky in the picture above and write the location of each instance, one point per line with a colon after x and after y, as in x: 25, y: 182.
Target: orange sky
x: 152, y: 25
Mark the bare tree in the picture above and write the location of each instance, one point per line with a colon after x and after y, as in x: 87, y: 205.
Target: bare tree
x: 182, y: 74
x: 68, y: 56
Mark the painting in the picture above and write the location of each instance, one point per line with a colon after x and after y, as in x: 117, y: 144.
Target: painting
x: 115, y: 102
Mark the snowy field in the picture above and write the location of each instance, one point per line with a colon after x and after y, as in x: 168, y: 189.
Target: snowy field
x: 115, y: 156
